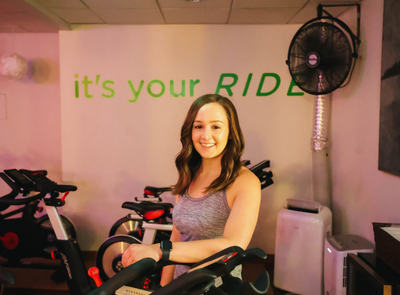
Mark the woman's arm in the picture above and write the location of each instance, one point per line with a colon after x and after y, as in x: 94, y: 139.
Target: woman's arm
x: 246, y: 194
x: 168, y: 271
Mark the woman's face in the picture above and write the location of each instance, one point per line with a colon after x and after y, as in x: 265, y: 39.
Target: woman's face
x: 210, y: 131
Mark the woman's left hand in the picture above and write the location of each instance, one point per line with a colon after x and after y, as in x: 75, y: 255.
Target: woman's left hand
x: 137, y: 252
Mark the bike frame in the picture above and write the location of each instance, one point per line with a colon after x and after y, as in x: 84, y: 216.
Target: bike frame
x: 151, y: 231
x: 71, y: 256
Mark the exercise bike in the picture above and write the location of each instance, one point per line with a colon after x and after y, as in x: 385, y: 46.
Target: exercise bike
x: 161, y: 213
x: 152, y: 223
x: 149, y: 208
x: 135, y: 277
x: 27, y: 236
x: 146, y: 210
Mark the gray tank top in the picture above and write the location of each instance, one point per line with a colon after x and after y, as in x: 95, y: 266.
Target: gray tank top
x: 200, y: 219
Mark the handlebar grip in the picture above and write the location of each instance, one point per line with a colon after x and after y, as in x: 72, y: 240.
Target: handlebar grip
x: 13, y: 201
x: 260, y: 166
x: 32, y: 173
x: 11, y: 196
x: 265, y: 178
x: 9, y: 182
x: 20, y: 179
x: 221, y: 253
x: 260, y: 287
x: 62, y: 188
x: 45, y: 185
x: 254, y: 254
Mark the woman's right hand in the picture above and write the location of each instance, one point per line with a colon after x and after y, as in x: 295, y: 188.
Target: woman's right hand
x: 137, y: 252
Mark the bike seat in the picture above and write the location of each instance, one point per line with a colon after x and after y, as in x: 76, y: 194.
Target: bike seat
x: 155, y: 191
x: 148, y: 210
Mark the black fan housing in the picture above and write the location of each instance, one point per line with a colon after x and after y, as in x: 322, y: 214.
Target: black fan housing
x: 321, y: 55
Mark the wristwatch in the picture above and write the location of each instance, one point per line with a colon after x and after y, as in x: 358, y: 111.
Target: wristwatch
x: 166, y: 247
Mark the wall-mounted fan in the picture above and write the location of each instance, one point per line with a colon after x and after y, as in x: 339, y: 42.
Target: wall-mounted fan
x: 323, y: 53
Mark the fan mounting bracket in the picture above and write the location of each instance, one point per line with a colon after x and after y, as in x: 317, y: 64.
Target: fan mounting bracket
x: 321, y: 11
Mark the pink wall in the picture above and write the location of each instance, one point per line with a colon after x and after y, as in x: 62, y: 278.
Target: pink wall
x: 361, y: 193
x: 30, y: 123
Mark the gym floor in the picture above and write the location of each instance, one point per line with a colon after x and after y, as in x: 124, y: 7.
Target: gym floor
x: 34, y: 281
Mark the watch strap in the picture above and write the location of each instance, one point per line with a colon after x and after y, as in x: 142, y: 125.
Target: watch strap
x: 166, y: 247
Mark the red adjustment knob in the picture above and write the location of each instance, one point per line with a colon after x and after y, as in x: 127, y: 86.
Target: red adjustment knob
x: 64, y: 196
x: 10, y: 240
x: 93, y: 272
x: 39, y: 209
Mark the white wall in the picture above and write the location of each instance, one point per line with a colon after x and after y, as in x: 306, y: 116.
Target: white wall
x: 112, y: 148
x: 361, y: 193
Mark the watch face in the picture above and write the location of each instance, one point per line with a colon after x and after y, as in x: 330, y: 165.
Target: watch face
x: 166, y: 245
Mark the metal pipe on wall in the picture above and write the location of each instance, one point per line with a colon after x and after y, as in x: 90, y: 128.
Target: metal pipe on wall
x: 321, y: 175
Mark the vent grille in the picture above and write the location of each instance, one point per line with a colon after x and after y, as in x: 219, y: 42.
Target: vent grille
x: 345, y: 272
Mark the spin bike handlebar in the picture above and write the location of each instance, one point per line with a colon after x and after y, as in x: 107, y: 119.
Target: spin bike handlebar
x: 198, y: 280
x: 146, y: 266
x: 26, y: 181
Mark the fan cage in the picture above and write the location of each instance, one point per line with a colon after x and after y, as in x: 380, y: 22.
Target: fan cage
x: 319, y: 83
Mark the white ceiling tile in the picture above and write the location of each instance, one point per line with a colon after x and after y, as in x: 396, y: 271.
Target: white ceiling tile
x: 336, y: 11
x: 309, y: 13
x: 121, y: 3
x: 77, y: 16
x: 62, y: 3
x: 196, y: 16
x: 131, y: 16
x: 262, y: 16
x: 195, y: 5
x: 304, y: 15
x: 268, y: 3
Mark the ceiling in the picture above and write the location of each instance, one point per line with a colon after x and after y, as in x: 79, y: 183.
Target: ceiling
x: 40, y: 16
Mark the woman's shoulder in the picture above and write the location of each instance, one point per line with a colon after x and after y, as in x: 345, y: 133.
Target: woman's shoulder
x: 245, y: 179
x: 246, y: 185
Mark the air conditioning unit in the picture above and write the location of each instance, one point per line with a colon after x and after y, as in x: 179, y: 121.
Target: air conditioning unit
x: 299, y: 249
x: 335, y: 267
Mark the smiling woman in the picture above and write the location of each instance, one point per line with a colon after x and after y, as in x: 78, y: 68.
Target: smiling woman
x: 217, y: 199
x: 211, y: 107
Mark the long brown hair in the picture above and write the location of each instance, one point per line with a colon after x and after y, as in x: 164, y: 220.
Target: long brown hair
x: 188, y: 161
